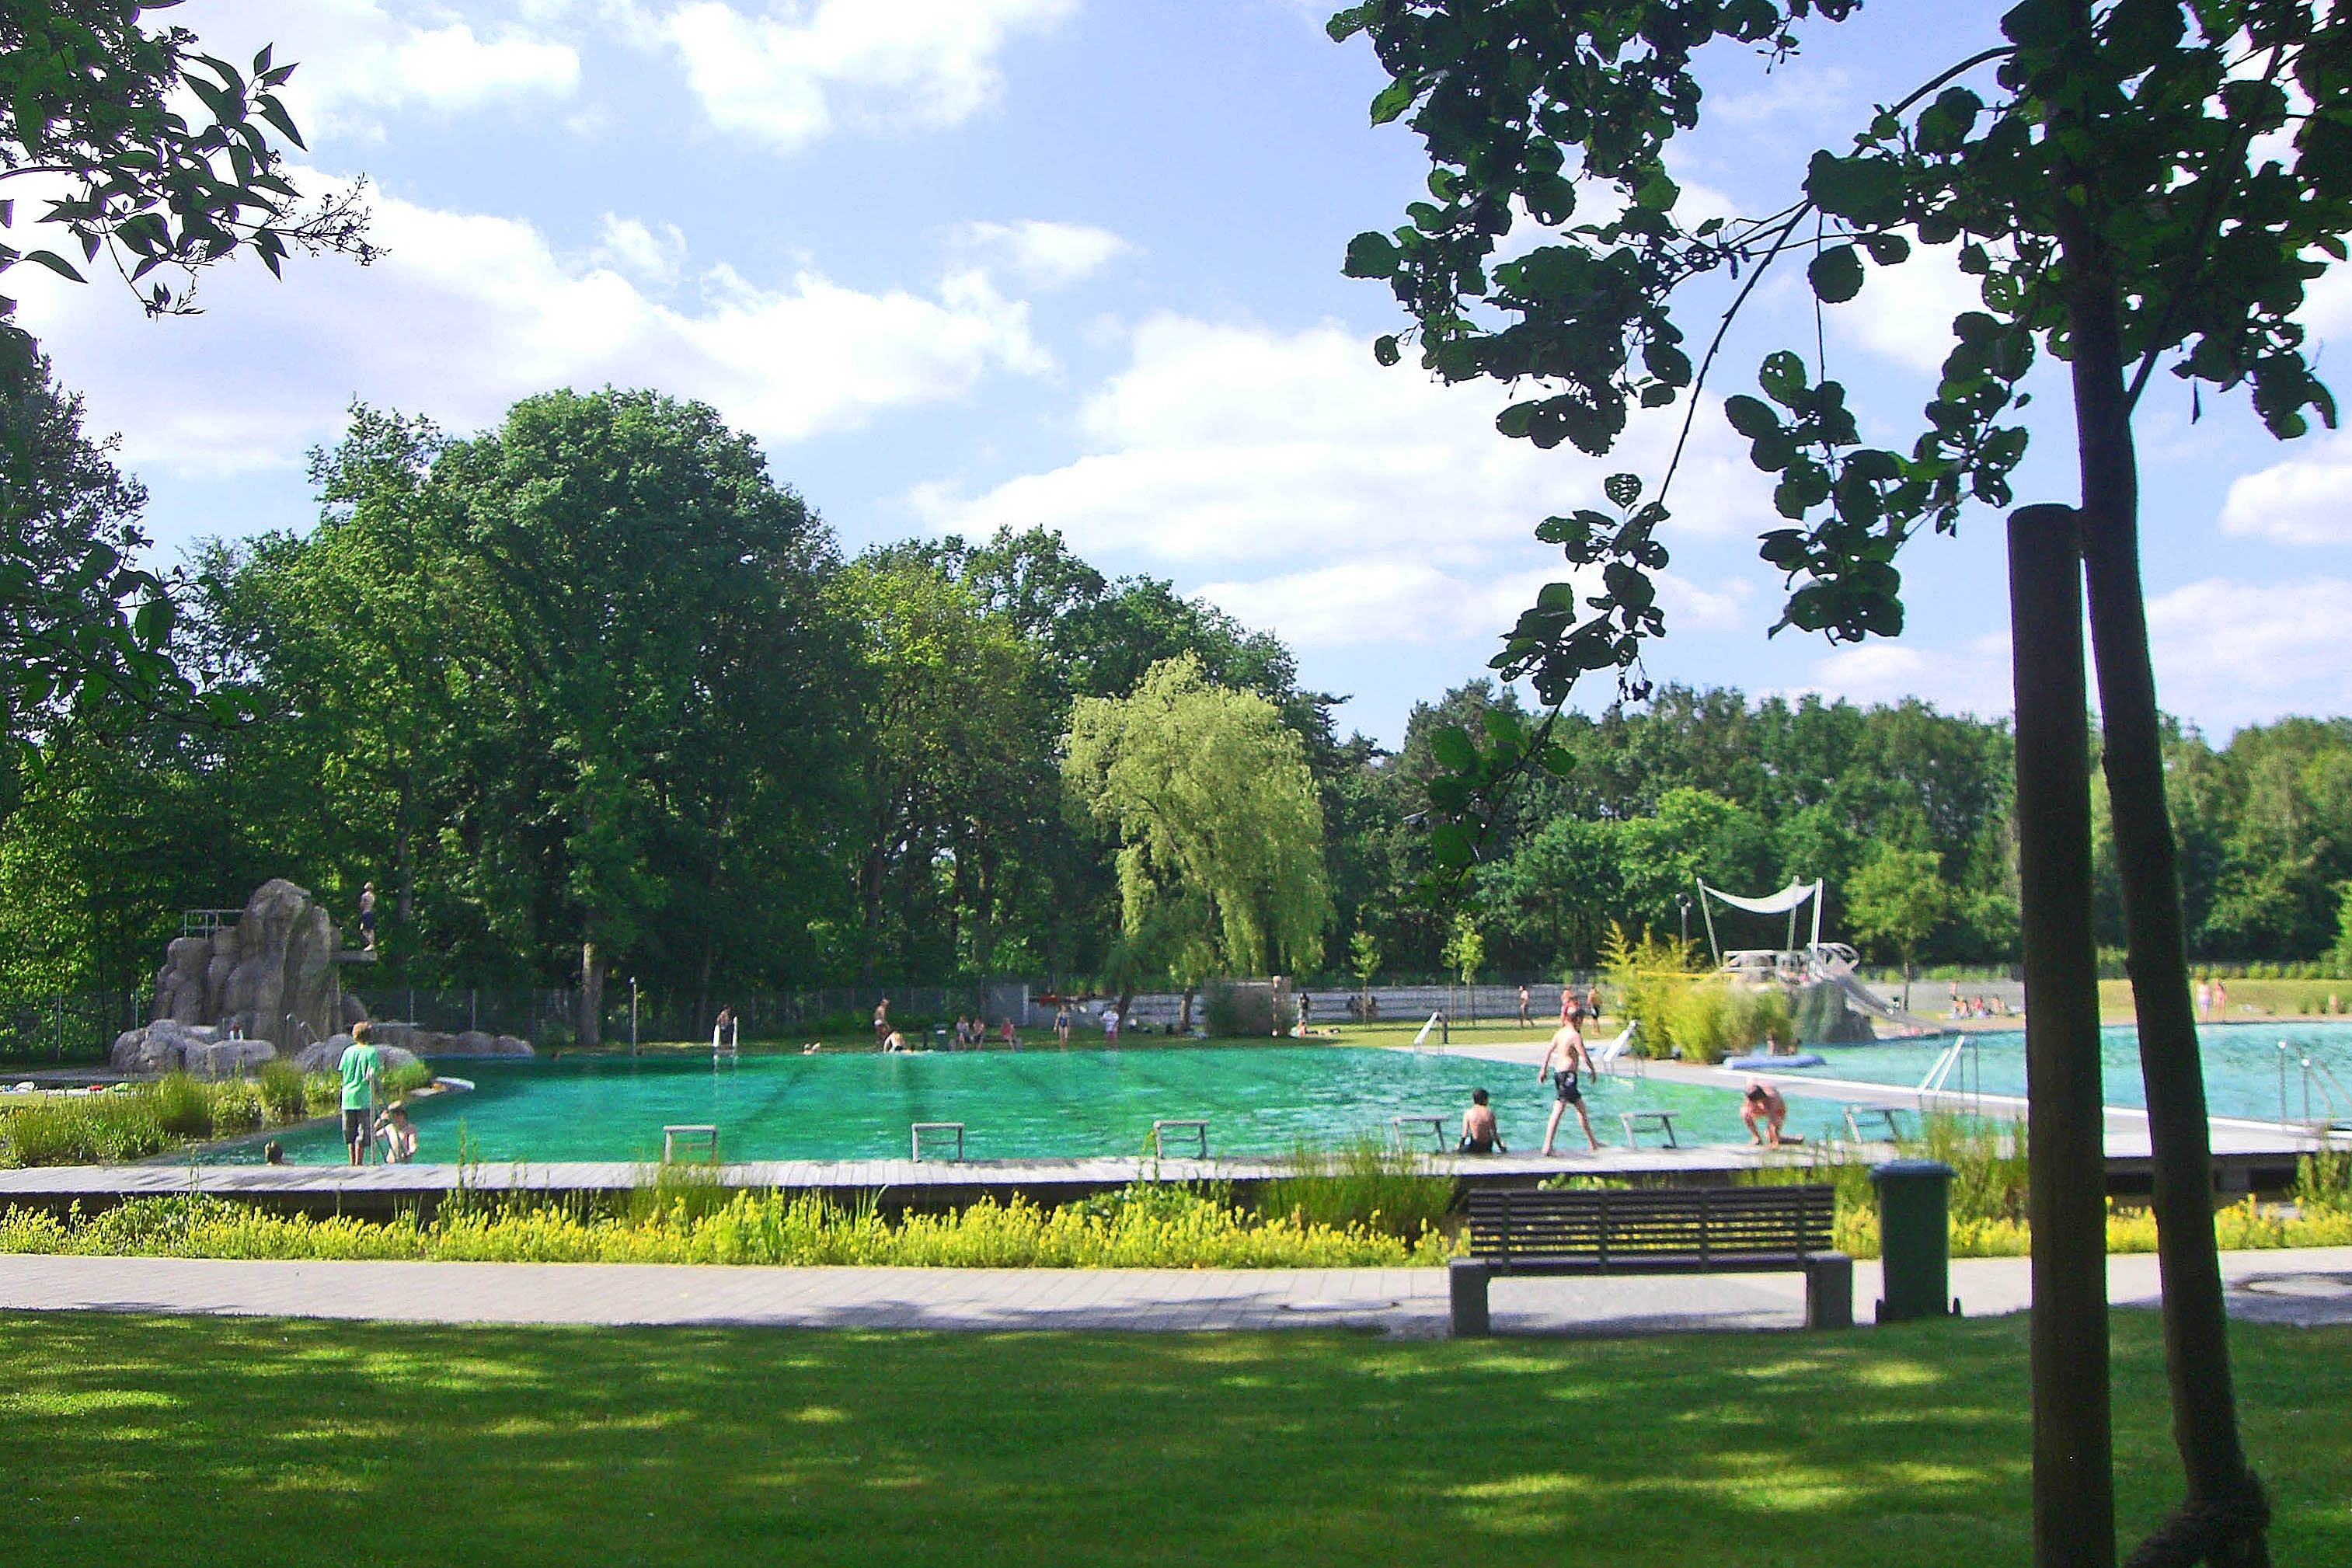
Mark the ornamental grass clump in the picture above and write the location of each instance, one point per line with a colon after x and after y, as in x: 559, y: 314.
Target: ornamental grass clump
x: 81, y: 1130
x: 283, y: 1092
x: 1362, y: 1185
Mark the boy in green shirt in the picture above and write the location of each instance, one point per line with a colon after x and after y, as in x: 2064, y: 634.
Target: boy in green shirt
x: 358, y: 1066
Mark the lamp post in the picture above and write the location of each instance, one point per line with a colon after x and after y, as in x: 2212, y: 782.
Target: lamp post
x: 633, y: 1015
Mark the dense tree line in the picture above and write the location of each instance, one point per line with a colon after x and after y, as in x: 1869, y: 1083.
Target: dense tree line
x: 590, y: 694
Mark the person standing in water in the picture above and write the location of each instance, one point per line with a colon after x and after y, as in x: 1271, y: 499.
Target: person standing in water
x: 359, y: 1066
x: 1567, y: 1049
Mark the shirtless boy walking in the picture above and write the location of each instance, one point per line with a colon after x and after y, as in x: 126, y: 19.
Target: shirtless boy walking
x: 1567, y: 1049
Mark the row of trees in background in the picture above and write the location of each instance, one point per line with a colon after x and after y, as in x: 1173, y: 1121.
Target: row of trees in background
x: 589, y: 694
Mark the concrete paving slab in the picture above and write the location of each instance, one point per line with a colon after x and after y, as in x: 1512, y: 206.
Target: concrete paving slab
x: 2303, y: 1287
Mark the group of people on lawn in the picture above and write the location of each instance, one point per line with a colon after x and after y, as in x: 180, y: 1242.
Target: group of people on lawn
x: 1567, y: 1062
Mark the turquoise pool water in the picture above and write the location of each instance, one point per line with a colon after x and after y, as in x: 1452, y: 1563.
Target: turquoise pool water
x: 1037, y: 1104
x: 2242, y: 1065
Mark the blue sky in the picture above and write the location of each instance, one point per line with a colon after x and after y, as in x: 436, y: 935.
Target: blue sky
x: 959, y: 263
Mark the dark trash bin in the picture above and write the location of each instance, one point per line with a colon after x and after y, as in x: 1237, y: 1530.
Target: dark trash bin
x: 1914, y: 1240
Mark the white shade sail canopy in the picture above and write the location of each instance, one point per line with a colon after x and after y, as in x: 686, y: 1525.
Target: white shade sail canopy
x: 1784, y: 902
x: 1779, y: 903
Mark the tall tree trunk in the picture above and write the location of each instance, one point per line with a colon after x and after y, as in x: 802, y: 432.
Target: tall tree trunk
x: 592, y: 995
x: 2225, y: 1518
x: 2074, y: 1470
x: 869, y: 897
x: 702, y: 981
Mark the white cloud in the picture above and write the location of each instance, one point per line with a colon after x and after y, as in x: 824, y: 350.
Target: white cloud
x: 790, y: 76
x: 1044, y: 255
x: 1905, y: 312
x: 1335, y: 500
x: 468, y: 312
x: 2303, y: 501
x: 1973, y: 679
x: 627, y: 245
x: 357, y: 59
x: 2236, y: 653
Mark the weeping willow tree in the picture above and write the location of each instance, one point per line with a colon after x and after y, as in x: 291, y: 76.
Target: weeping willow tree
x: 1219, y: 827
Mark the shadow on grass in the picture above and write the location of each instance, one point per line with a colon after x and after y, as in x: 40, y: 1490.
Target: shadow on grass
x: 131, y: 1440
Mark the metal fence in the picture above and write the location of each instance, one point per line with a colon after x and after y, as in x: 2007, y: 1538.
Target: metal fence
x: 66, y: 1026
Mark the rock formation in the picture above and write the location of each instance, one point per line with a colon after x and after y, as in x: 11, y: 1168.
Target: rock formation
x: 270, y: 976
x: 245, y: 994
x: 267, y: 987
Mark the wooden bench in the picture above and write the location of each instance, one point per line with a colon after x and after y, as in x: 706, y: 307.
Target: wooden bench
x: 1656, y: 1230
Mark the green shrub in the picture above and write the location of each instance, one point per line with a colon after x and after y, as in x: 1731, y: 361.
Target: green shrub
x: 237, y: 1106
x: 322, y: 1092
x: 2323, y: 1181
x: 403, y: 1079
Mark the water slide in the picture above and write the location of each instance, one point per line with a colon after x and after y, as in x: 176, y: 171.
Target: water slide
x: 1870, y: 1004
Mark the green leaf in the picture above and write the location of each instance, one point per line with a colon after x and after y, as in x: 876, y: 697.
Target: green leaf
x: 1452, y: 746
x: 1837, y: 274
x: 1450, y: 846
x: 1385, y: 350
x: 1751, y: 416
x: 1393, y: 99
x: 1370, y: 255
x: 1782, y: 378
x: 55, y: 263
x: 1622, y: 489
x: 1887, y: 249
x: 1865, y: 189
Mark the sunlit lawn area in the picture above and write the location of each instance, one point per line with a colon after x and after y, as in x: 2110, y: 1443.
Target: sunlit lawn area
x: 131, y: 1440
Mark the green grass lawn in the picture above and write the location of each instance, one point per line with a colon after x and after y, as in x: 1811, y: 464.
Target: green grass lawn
x: 218, y: 1441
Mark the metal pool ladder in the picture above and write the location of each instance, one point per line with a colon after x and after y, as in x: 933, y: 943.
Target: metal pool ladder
x: 941, y: 1129
x: 1435, y: 1124
x: 690, y: 1133
x: 1189, y: 1129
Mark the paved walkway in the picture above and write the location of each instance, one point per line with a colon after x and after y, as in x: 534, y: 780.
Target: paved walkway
x: 2307, y: 1287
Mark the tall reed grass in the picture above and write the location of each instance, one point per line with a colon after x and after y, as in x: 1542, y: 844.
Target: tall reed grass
x: 1702, y: 1018
x: 134, y: 1122
x: 1360, y: 1184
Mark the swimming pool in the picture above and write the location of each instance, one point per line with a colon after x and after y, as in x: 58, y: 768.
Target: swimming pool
x: 1259, y: 1099
x: 2242, y: 1065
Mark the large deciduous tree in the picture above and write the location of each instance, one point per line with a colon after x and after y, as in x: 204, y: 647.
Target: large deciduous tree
x: 670, y: 673
x: 1218, y: 822
x: 2139, y: 186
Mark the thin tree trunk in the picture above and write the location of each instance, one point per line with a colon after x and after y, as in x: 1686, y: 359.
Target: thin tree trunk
x: 2073, y: 1469
x: 592, y: 995
x: 2225, y: 1509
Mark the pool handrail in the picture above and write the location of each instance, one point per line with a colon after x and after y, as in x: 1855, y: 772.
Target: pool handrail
x: 1198, y: 1126
x: 920, y: 1128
